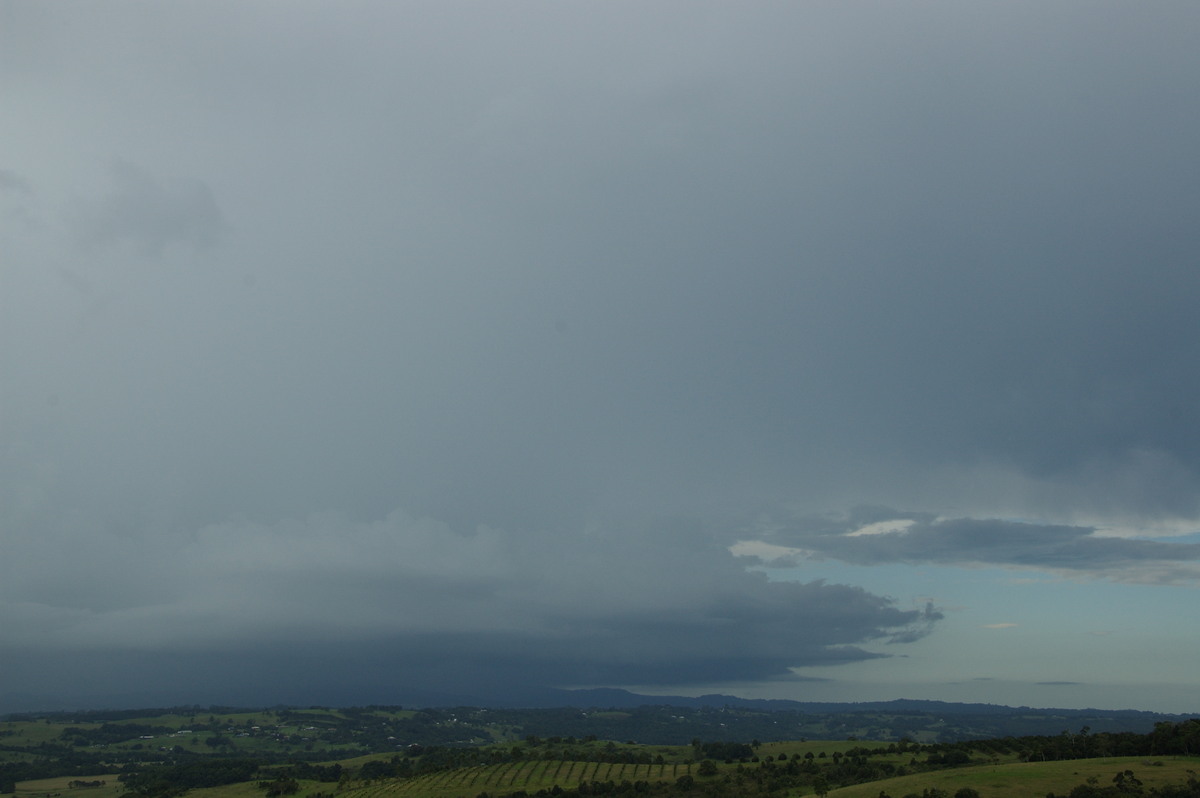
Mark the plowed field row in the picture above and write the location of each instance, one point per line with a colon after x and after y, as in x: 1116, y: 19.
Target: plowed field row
x: 513, y: 776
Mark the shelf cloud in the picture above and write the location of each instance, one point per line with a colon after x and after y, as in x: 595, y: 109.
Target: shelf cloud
x: 535, y: 344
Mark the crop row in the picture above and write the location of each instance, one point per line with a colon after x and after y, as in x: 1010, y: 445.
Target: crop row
x: 512, y: 776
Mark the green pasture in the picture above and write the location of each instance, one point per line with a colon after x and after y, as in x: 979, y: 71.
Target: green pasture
x: 59, y: 786
x: 357, y: 762
x: 30, y: 732
x: 1024, y: 779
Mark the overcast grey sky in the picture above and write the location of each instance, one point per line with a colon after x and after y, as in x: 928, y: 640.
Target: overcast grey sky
x: 804, y: 350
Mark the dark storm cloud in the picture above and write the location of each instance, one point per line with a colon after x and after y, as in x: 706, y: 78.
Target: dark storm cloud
x: 442, y: 608
x: 566, y: 268
x: 916, y: 538
x: 148, y: 213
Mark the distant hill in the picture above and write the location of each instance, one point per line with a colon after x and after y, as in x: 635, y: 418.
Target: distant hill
x: 924, y: 721
x: 614, y: 714
x: 617, y: 698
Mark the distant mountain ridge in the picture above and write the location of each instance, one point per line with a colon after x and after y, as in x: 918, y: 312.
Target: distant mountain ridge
x: 618, y: 714
x: 621, y: 699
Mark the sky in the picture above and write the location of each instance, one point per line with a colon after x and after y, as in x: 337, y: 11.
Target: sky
x: 822, y: 350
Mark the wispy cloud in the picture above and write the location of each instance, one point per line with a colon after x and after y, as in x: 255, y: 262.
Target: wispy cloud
x: 924, y: 539
x: 894, y: 527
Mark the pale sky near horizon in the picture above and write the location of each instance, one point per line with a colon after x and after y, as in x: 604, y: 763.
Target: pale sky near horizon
x: 816, y: 350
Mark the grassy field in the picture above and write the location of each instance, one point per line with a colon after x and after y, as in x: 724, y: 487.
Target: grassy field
x: 60, y: 786
x: 1026, y: 779
x: 31, y: 732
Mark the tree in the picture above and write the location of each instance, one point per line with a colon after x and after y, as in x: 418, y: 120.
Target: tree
x: 1126, y: 782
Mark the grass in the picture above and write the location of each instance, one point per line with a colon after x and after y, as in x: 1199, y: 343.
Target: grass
x: 39, y: 788
x: 1025, y: 779
x: 32, y: 732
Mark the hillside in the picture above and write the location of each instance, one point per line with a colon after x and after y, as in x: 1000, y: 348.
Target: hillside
x: 378, y: 752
